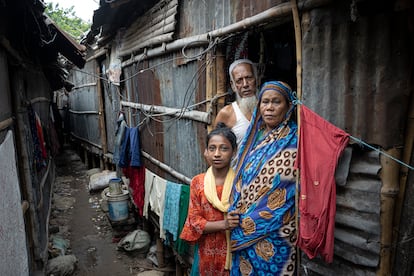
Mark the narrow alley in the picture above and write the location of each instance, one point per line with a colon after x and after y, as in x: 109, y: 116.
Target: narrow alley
x: 80, y: 227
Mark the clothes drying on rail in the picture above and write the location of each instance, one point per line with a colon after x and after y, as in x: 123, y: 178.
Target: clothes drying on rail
x: 136, y: 176
x: 39, y: 149
x: 131, y: 150
x: 172, y: 208
x: 155, y: 197
x: 175, y: 213
x: 119, y: 137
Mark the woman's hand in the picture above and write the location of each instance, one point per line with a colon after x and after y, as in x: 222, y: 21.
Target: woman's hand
x: 232, y: 220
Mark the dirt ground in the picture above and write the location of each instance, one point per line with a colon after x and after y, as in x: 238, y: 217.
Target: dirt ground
x: 84, y: 229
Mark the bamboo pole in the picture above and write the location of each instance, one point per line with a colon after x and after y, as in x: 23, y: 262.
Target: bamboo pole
x: 86, y: 112
x: 167, y: 168
x: 39, y: 100
x: 6, y: 123
x: 298, y: 40
x: 147, y: 42
x: 25, y: 206
x: 86, y: 141
x: 84, y: 85
x: 167, y: 111
x: 406, y: 158
x: 25, y: 173
x: 158, y: 22
x: 154, y: 16
x: 389, y: 191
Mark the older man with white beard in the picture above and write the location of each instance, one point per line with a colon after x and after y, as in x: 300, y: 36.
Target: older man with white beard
x: 243, y: 77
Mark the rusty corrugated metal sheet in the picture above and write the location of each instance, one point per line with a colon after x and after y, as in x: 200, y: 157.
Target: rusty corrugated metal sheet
x: 170, y: 140
x: 357, y: 74
x: 198, y: 17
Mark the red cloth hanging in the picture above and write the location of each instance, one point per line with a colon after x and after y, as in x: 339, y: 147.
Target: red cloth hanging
x: 320, y: 146
x: 136, y: 176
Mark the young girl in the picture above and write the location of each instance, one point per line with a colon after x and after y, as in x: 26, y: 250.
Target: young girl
x: 209, y: 200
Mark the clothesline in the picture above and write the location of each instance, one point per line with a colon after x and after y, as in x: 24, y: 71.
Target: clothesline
x: 382, y: 152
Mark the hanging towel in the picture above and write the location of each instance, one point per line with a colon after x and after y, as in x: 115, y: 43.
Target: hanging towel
x: 181, y: 246
x: 156, y: 200
x: 149, y: 181
x: 320, y: 145
x: 172, y: 209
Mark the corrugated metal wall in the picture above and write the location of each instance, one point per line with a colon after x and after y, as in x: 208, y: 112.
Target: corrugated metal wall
x: 84, y: 105
x: 356, y: 74
x: 111, y: 96
x: 168, y: 139
x: 14, y: 257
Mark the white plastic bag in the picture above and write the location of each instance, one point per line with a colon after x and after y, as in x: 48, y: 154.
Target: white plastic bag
x: 99, y: 181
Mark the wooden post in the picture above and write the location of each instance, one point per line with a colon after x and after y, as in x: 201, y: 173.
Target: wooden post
x: 211, y: 85
x: 85, y: 154
x: 101, y: 111
x: 389, y: 191
x: 298, y: 41
x: 221, y: 83
x: 160, y: 253
x: 404, y: 171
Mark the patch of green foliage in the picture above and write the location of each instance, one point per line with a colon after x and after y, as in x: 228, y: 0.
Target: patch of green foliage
x: 67, y: 20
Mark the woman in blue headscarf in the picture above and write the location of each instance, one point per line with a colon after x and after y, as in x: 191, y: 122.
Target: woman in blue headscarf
x: 262, y: 211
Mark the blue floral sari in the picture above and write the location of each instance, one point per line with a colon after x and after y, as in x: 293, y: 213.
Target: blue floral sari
x: 264, y: 195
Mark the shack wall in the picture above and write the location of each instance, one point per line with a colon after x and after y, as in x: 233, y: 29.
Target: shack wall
x: 357, y: 72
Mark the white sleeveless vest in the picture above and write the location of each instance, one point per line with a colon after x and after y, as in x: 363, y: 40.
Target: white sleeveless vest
x: 241, y: 125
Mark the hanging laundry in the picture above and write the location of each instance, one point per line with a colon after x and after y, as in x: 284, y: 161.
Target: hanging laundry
x: 42, y: 142
x: 172, y: 209
x: 157, y: 201
x: 181, y: 246
x: 136, y: 176
x: 39, y: 154
x: 320, y: 146
x: 131, y: 150
x: 149, y: 181
x: 119, y: 137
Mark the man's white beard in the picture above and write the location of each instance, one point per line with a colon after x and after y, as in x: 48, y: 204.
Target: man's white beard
x: 247, y: 105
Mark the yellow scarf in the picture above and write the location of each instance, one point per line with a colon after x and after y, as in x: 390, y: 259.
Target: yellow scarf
x: 210, y: 192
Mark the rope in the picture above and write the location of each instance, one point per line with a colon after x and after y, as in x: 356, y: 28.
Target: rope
x: 380, y: 151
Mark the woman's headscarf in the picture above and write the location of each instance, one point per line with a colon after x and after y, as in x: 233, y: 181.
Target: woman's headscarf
x: 257, y: 121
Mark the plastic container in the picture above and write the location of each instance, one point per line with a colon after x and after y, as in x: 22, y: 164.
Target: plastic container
x: 118, y: 206
x: 115, y: 186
